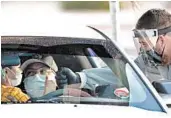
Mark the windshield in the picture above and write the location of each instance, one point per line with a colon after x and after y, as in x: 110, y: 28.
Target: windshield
x: 70, y: 74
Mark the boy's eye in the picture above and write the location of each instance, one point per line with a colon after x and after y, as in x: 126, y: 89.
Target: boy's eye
x: 42, y: 71
x: 30, y: 74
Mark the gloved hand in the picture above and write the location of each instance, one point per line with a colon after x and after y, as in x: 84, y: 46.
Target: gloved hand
x: 61, y: 79
x: 66, y: 77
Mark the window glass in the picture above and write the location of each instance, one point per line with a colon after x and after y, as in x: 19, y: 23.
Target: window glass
x: 67, y: 75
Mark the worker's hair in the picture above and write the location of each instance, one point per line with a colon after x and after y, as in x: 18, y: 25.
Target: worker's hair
x: 154, y: 19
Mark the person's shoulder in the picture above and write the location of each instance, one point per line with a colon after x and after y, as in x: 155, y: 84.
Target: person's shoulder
x: 139, y: 59
x: 14, y: 89
x: 10, y: 89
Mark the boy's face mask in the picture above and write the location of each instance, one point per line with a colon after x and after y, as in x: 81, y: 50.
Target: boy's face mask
x: 39, y: 84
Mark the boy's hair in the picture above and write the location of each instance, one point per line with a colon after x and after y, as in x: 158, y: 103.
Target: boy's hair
x: 154, y: 19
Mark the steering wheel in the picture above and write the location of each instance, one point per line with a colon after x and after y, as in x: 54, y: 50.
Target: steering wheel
x: 63, y: 92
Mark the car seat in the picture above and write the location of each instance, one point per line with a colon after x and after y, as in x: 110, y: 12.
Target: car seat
x: 9, y: 60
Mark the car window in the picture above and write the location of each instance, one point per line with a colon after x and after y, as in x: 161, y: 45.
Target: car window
x: 114, y: 84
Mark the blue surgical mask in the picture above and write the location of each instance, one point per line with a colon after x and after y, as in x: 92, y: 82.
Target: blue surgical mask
x: 35, y: 85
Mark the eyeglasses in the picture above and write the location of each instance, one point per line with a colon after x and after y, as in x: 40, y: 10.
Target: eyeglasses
x: 42, y: 71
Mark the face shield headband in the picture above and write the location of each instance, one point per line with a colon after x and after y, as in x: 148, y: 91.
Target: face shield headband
x: 151, y: 32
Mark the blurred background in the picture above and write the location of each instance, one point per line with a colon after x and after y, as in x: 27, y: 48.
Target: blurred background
x: 99, y: 14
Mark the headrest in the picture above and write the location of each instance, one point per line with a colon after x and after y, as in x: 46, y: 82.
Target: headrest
x: 10, y: 60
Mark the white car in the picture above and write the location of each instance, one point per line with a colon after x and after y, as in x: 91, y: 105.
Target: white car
x: 116, y: 86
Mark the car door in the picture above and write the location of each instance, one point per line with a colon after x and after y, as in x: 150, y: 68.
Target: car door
x: 120, y: 90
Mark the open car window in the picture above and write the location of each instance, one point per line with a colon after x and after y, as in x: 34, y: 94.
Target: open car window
x: 113, y: 83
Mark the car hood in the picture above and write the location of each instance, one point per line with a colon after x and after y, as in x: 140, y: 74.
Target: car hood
x: 77, y: 111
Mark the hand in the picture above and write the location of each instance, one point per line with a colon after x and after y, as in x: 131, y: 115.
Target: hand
x: 72, y: 77
x: 61, y: 79
x: 66, y: 77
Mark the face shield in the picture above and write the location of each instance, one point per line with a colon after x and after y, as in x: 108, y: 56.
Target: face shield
x: 149, y: 60
x: 145, y: 42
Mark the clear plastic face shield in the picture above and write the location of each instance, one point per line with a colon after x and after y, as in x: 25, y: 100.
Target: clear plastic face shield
x: 145, y: 42
x: 149, y: 59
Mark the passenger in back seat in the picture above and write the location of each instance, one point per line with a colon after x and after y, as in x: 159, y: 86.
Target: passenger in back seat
x: 11, y: 76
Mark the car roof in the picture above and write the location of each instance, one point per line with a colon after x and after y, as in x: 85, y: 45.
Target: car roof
x: 48, y: 40
x: 55, y: 30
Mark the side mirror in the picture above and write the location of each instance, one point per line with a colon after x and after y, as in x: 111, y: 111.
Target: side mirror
x: 163, y: 86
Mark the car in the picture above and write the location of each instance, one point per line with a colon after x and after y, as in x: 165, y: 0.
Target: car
x: 116, y: 85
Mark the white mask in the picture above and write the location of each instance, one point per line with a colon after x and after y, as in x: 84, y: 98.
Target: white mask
x: 14, y: 77
x: 17, y: 80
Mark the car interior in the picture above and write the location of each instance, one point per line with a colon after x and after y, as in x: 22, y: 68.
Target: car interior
x: 75, y: 57
x: 78, y: 57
